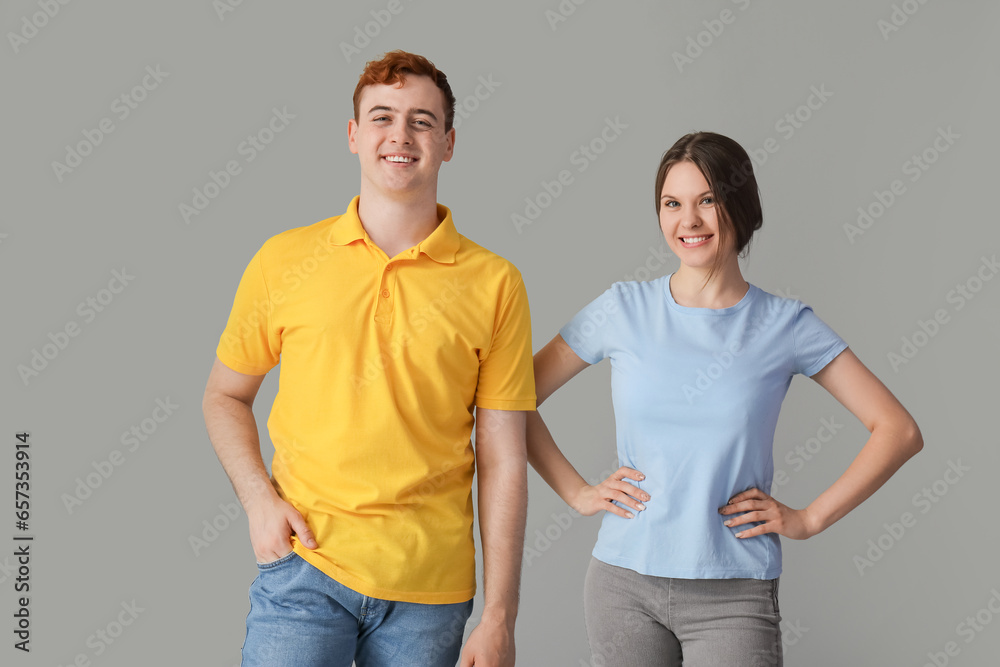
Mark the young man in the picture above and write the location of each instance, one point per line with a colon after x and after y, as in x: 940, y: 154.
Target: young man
x: 390, y: 328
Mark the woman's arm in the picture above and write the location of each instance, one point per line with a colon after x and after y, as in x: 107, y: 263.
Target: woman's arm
x: 555, y: 364
x: 894, y: 439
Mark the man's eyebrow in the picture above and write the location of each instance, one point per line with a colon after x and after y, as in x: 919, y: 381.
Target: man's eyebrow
x: 425, y: 112
x: 394, y: 110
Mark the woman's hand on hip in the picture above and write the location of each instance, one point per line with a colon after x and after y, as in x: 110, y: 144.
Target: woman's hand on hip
x: 590, y: 500
x: 776, y: 516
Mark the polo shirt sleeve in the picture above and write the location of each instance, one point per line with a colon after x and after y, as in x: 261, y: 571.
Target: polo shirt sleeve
x: 249, y: 343
x: 589, y: 333
x: 506, y: 375
x: 815, y: 343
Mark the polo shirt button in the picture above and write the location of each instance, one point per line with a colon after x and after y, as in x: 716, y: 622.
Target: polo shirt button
x: 385, y: 293
x: 388, y: 267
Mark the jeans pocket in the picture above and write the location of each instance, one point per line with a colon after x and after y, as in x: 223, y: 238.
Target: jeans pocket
x: 774, y: 594
x: 275, y: 563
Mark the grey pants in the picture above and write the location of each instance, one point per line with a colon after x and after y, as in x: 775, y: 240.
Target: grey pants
x: 636, y: 620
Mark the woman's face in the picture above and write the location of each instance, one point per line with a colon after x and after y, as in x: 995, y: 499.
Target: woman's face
x: 689, y: 217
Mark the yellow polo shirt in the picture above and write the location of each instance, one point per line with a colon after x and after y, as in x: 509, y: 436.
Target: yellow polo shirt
x: 382, y: 361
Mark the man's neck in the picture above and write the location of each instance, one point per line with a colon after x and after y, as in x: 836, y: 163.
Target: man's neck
x: 395, y: 225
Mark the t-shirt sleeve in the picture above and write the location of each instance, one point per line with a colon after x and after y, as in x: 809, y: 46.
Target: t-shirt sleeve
x: 249, y: 343
x: 506, y: 374
x: 589, y: 333
x: 816, y: 344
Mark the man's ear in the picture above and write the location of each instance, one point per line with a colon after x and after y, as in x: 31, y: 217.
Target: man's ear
x: 449, y: 138
x: 352, y: 131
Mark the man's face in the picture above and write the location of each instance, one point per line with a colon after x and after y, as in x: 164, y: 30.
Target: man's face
x: 399, y: 136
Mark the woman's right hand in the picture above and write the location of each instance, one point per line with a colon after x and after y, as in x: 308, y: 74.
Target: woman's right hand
x: 590, y: 500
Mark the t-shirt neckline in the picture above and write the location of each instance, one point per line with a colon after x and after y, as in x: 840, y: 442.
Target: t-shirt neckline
x: 711, y: 312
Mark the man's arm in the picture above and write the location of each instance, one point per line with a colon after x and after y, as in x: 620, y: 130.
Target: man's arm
x: 228, y: 409
x: 501, y: 462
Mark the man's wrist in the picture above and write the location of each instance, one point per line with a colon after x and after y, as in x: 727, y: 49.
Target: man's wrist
x: 263, y: 496
x: 499, y: 615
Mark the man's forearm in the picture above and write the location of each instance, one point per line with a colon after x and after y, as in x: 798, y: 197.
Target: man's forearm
x: 233, y: 432
x: 503, y: 502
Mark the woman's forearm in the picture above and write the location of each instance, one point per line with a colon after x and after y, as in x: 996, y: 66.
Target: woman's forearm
x: 545, y: 457
x: 888, y: 448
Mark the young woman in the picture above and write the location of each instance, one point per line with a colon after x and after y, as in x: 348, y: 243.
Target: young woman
x: 687, y: 560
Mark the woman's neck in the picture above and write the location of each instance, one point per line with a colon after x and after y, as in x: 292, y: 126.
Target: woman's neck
x: 692, y: 288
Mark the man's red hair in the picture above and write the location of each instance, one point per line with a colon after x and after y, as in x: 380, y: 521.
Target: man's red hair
x: 393, y: 68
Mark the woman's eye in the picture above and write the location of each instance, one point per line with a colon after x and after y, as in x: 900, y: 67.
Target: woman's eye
x: 669, y: 204
x: 710, y: 200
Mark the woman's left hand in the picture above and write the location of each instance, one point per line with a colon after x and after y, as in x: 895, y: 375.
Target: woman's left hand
x: 776, y: 517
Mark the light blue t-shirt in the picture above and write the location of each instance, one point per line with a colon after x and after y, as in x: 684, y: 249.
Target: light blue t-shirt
x: 696, y: 394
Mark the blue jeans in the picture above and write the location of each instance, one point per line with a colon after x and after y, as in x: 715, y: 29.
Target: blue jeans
x: 300, y: 617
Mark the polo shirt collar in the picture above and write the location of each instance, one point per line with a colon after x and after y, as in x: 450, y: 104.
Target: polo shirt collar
x: 440, y: 245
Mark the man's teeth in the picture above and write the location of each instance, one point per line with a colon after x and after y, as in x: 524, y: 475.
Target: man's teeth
x: 694, y: 239
x: 398, y: 158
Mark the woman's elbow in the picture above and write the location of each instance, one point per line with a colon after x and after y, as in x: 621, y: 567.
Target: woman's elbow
x: 912, y: 437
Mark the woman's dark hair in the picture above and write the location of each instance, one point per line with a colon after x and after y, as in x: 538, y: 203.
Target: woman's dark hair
x: 729, y: 172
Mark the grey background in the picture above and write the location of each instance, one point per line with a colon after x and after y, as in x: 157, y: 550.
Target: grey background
x: 558, y: 83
